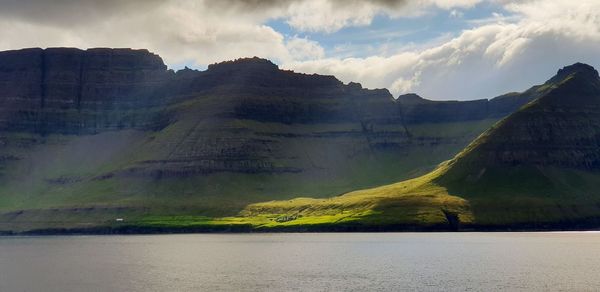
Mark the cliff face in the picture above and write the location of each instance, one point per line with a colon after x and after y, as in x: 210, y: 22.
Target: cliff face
x: 115, y: 127
x: 65, y: 90
x: 248, y: 116
x: 537, y: 169
x: 73, y: 91
x: 416, y: 110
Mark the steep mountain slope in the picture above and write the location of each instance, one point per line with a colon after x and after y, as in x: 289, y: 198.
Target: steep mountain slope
x: 91, y: 135
x: 537, y: 168
x: 540, y: 164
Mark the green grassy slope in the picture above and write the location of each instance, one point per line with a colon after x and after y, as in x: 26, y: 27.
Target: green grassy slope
x: 195, y: 145
x: 208, y: 144
x: 540, y: 165
x: 538, y: 168
x: 81, y: 181
x: 62, y: 181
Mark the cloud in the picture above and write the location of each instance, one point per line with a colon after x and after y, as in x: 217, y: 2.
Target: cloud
x: 332, y: 15
x: 68, y: 12
x: 484, y: 61
x: 191, y: 31
x: 521, y: 44
x: 329, y: 16
x: 454, y: 13
x: 304, y: 49
x: 180, y: 31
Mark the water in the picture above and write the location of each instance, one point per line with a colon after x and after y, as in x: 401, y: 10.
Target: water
x: 303, y: 262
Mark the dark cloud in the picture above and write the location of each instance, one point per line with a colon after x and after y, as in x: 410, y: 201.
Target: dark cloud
x: 251, y: 5
x: 71, y: 12
x: 254, y: 5
x: 383, y: 3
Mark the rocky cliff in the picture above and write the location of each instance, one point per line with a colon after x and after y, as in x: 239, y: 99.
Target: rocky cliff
x: 218, y: 118
x: 536, y: 169
x: 63, y: 90
x: 116, y: 128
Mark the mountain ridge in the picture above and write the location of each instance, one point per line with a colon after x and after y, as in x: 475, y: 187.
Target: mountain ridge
x: 204, y: 143
x: 535, y: 169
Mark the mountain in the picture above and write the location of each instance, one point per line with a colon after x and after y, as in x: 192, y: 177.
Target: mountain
x: 70, y: 91
x: 538, y: 168
x: 87, y: 136
x: 542, y: 163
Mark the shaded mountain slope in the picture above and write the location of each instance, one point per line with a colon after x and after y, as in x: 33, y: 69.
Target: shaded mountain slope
x: 536, y: 169
x: 542, y: 162
x: 91, y: 134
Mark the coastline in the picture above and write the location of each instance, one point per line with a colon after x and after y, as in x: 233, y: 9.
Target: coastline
x: 355, y: 228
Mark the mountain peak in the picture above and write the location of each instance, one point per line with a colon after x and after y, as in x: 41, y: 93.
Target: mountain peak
x: 254, y: 63
x: 558, y: 129
x: 579, y: 69
x: 410, y: 98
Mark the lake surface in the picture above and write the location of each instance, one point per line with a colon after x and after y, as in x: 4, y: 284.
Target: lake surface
x: 303, y: 262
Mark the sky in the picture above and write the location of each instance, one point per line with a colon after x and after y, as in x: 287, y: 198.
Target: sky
x: 439, y: 49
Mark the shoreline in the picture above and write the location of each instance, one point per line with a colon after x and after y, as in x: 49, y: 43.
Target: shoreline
x: 245, y: 229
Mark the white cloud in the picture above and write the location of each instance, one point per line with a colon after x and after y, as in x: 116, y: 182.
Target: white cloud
x: 178, y: 30
x: 454, y: 13
x: 449, y: 4
x: 332, y: 15
x: 503, y: 52
x: 200, y: 31
x: 304, y: 49
x: 485, y: 61
x: 327, y: 16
